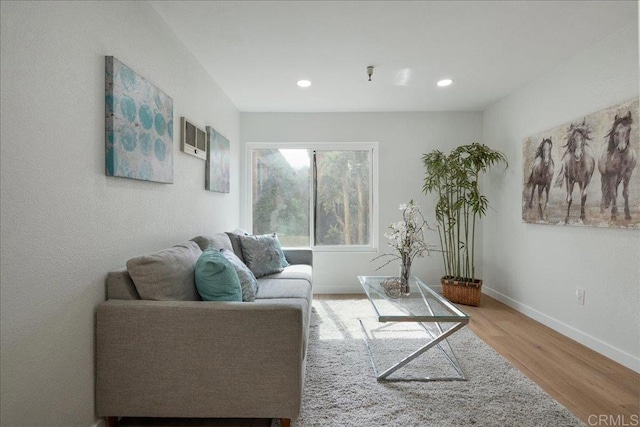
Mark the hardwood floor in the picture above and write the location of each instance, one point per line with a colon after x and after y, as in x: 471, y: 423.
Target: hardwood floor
x: 585, y: 382
x: 596, y: 389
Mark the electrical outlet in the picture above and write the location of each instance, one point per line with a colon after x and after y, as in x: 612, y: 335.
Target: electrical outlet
x: 579, y: 296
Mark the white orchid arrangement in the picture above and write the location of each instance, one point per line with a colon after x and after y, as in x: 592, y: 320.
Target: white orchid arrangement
x: 406, y: 237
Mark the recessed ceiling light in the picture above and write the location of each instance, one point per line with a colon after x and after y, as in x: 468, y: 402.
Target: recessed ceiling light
x: 303, y: 83
x: 444, y: 82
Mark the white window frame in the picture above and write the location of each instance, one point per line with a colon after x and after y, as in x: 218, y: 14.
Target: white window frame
x: 319, y: 146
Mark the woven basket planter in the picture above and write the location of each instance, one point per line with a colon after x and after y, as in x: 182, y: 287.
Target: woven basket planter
x: 461, y: 292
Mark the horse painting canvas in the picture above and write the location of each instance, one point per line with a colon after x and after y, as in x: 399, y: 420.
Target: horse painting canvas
x: 541, y: 176
x: 577, y: 166
x: 616, y: 165
x: 584, y: 171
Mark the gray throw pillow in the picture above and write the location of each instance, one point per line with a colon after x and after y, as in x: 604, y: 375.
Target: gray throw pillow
x: 248, y: 281
x: 167, y: 275
x: 217, y: 241
x: 234, y: 237
x: 261, y: 254
x: 283, y: 259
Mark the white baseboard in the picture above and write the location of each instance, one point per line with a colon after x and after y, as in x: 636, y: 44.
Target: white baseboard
x: 630, y: 361
x: 100, y: 423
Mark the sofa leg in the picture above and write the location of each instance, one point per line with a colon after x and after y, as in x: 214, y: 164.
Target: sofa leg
x: 285, y: 422
x: 112, y: 421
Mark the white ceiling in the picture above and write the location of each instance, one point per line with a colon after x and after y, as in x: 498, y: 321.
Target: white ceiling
x: 257, y: 50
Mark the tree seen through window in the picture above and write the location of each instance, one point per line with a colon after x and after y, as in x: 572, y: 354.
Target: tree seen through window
x: 283, y: 183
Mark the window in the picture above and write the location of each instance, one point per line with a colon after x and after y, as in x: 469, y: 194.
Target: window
x: 281, y: 194
x: 319, y: 196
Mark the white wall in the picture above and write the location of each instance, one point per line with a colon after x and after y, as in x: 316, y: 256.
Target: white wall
x: 64, y: 223
x: 402, y: 139
x: 536, y: 268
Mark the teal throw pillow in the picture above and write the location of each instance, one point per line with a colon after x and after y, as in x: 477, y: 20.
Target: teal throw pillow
x: 262, y: 254
x: 216, y: 278
x: 248, y: 281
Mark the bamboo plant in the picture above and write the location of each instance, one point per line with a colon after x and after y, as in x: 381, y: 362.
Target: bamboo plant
x: 453, y: 178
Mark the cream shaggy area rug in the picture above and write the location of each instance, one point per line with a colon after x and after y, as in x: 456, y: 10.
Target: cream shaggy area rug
x: 341, y: 388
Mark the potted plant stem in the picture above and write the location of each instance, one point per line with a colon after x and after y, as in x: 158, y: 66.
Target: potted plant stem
x: 453, y: 178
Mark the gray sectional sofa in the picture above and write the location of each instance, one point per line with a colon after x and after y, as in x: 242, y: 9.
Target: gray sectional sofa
x: 200, y: 359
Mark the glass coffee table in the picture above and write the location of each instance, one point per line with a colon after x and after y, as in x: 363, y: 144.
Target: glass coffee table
x: 422, y: 319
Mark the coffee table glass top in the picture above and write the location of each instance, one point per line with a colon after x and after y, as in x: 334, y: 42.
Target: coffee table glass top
x: 434, y: 319
x: 422, y: 304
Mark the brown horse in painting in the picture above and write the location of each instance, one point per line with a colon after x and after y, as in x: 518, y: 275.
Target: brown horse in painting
x: 577, y: 165
x: 616, y: 165
x: 541, y: 175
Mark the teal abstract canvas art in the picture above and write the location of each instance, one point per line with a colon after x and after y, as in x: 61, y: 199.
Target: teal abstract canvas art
x: 218, y: 159
x: 138, y: 126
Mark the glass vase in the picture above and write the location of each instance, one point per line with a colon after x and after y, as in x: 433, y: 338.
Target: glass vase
x: 405, y: 276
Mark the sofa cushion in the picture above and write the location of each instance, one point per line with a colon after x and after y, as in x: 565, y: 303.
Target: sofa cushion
x: 261, y: 254
x: 120, y: 285
x: 279, y: 288
x: 216, y: 278
x: 294, y: 271
x: 166, y: 275
x: 248, y: 281
x: 218, y: 241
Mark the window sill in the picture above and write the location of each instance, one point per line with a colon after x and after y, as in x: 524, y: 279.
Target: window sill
x: 351, y: 249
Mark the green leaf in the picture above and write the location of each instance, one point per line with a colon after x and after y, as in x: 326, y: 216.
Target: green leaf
x: 453, y: 179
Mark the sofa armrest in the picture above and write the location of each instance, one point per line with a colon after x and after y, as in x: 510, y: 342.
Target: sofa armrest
x: 299, y: 255
x: 198, y: 359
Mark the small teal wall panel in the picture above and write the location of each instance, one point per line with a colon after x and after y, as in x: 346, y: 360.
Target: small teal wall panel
x: 218, y: 162
x: 138, y: 126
